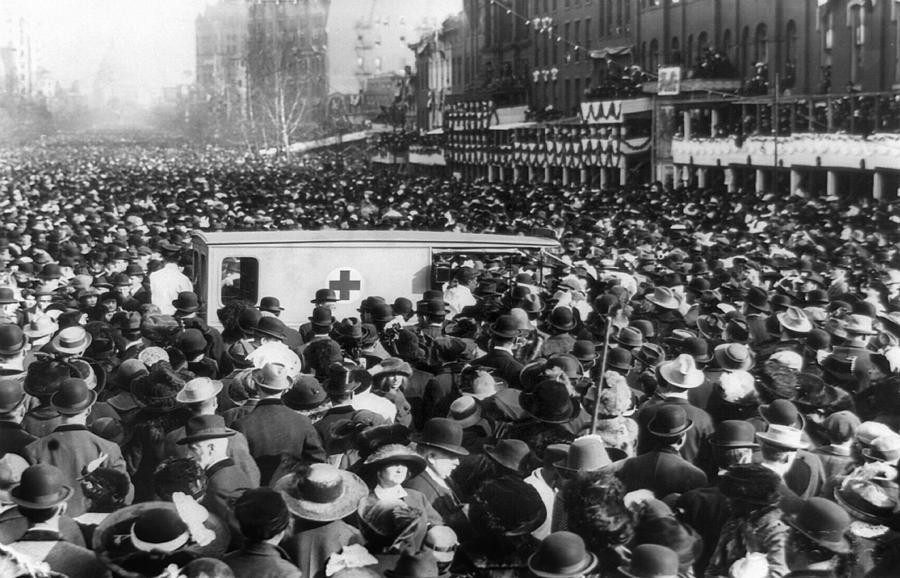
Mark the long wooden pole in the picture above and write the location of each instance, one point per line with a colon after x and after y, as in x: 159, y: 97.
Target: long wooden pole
x: 596, y: 412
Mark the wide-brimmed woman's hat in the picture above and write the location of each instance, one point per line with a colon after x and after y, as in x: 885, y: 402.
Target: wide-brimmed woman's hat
x: 823, y: 522
x: 507, y: 506
x: 391, y: 366
x: 322, y: 492
x: 391, y: 454
x: 867, y: 500
x: 562, y: 555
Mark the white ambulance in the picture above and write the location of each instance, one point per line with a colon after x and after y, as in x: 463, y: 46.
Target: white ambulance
x: 293, y: 265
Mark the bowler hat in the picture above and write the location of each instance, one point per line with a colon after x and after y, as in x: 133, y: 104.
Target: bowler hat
x: 651, y: 561
x: 344, y: 378
x: 505, y: 327
x: 782, y: 412
x: 205, y: 427
x: 420, y: 565
x: 191, y: 342
x: 325, y: 296
x: 322, y: 317
x: 382, y: 313
x: 271, y: 327
x: 630, y: 337
x: 444, y: 434
x: 73, y: 397
x: 305, y: 394
x: 187, y: 302
x: 270, y: 304
x: 198, y: 390
x: 563, y: 555
x: 562, y: 318
x: 11, y: 395
x: 402, y: 306
x: 619, y: 358
x: 669, y: 421
x: 509, y: 453
x: 650, y: 354
x: 51, y: 271
x: 550, y: 402
x: 584, y: 351
x: 757, y: 298
x: 40, y: 487
x: 734, y: 433
x: 841, y: 426
x: 7, y: 296
x: 823, y: 522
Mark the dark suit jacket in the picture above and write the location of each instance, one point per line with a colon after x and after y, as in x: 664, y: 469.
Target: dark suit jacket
x: 272, y: 430
x: 696, y: 436
x: 664, y: 472
x: 507, y: 366
x: 261, y: 560
x: 238, y: 451
x: 444, y: 501
x: 225, y: 483
x: 68, y: 559
x: 13, y: 438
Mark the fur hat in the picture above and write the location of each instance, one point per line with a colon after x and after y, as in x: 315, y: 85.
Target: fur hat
x: 751, y: 483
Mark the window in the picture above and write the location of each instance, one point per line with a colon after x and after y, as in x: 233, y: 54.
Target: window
x: 727, y: 43
x: 745, y: 49
x: 858, y: 24
x: 654, y: 55
x: 790, y: 46
x: 587, y: 36
x: 702, y: 44
x: 240, y: 279
x: 643, y: 59
x: 674, y: 51
x: 689, y: 53
x: 627, y: 16
x: 601, y: 20
x: 577, y: 39
x: 760, y: 45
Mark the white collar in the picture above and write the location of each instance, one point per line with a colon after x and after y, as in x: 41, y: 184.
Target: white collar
x: 436, y: 478
x: 395, y: 493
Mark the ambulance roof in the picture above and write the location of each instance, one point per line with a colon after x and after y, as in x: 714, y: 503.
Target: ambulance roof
x: 438, y: 239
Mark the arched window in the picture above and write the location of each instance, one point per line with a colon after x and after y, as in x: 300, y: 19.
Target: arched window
x: 745, y: 50
x: 674, y: 51
x: 727, y: 42
x: 760, y: 45
x: 790, y: 45
x: 653, y: 63
x: 689, y: 51
x: 702, y: 43
x: 644, y: 55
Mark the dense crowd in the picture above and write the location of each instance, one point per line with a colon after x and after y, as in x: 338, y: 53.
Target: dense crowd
x: 698, y: 384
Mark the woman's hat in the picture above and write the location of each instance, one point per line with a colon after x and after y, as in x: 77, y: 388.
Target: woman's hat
x: 663, y: 297
x: 205, y: 427
x: 507, y: 506
x: 159, y: 530
x: 651, y: 561
x: 563, y: 555
x: 444, y: 434
x: 466, y: 411
x: 509, y: 453
x: 71, y: 340
x: 734, y: 356
x: 669, y: 421
x: 40, y: 487
x: 550, y: 402
x: 74, y: 396
x: 322, y: 493
x: 158, y: 389
x: 823, y: 522
x: 866, y: 500
x: 305, y: 394
x: 883, y: 449
x: 682, y: 372
x: 751, y: 483
x: 391, y: 454
x: 391, y: 366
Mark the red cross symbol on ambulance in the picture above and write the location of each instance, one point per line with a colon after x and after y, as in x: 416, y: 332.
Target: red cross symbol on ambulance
x: 346, y: 283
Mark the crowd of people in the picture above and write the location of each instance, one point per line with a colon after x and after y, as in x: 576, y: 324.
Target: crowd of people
x: 698, y: 384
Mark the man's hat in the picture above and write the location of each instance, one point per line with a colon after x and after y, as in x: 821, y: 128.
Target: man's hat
x: 271, y: 327
x: 794, y: 319
x: 71, y: 340
x: 564, y: 555
x: 505, y: 327
x: 734, y: 356
x: 630, y: 337
x: 322, y: 317
x: 466, y: 411
x: 823, y: 522
x: 782, y: 412
x: 682, y: 372
x: 198, y: 390
x: 619, y: 358
x: 322, y: 492
x: 40, y: 327
x: 273, y: 377
x: 651, y: 561
x: 205, y: 427
x: 586, y: 454
x: 12, y: 395
x: 192, y: 342
x: 509, y: 453
x: 758, y: 299
x: 783, y: 436
x: 325, y: 296
x: 444, y: 434
x: 663, y: 297
x: 669, y: 421
x: 734, y: 433
x: 562, y: 318
x: 40, y: 487
x: 270, y: 304
x: 305, y: 394
x: 187, y: 302
x: 73, y: 397
x: 650, y: 354
x: 859, y: 325
x: 550, y: 402
x: 7, y: 296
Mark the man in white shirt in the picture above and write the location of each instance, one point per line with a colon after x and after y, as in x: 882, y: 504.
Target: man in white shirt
x: 168, y: 282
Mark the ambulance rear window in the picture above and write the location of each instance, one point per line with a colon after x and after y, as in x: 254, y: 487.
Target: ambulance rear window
x: 240, y: 279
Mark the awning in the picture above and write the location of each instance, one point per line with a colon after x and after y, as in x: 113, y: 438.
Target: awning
x: 513, y: 125
x: 438, y: 130
x: 603, y: 53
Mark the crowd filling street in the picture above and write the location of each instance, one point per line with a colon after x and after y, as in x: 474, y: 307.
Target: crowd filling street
x: 696, y: 384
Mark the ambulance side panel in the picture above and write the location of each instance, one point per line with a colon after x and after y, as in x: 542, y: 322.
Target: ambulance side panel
x: 293, y: 273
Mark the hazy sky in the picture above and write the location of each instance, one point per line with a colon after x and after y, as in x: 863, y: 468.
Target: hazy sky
x: 148, y: 44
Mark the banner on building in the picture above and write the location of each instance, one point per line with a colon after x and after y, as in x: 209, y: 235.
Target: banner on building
x: 669, y: 81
